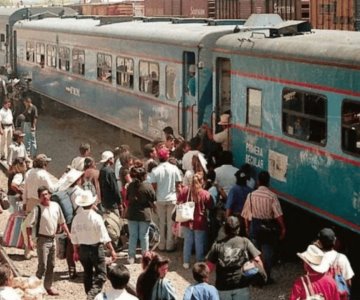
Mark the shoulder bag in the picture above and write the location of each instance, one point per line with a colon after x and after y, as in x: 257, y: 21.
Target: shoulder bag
x: 185, y: 211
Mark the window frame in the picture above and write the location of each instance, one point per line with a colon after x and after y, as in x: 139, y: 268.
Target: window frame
x: 51, y: 56
x: 79, y: 69
x: 173, y: 67
x: 40, y: 55
x: 130, y: 86
x: 101, y: 68
x: 350, y: 126
x: 64, y: 56
x: 33, y: 52
x: 149, y: 72
x: 308, y: 118
x: 248, y: 89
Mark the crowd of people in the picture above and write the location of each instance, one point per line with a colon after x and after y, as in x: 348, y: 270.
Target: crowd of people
x: 236, y: 220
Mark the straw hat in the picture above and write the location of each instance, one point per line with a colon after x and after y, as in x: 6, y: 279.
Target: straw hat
x: 224, y: 119
x: 313, y: 256
x: 42, y: 157
x: 86, y: 198
x: 69, y: 179
x: 106, y: 155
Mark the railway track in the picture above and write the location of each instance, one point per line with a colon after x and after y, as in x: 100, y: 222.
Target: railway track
x: 5, y: 259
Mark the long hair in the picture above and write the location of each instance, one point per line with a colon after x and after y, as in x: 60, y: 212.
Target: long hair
x: 196, y: 185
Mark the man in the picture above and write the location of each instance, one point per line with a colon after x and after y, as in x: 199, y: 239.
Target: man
x: 262, y: 206
x: 17, y: 148
x: 228, y: 256
x: 326, y: 242
x: 195, y: 144
x: 7, y: 128
x: 110, y: 194
x: 222, y: 137
x: 119, y: 277
x: 47, y: 216
x: 166, y: 179
x: 225, y: 174
x: 315, y: 267
x: 78, y: 162
x: 88, y: 236
x: 36, y: 177
x: 31, y: 116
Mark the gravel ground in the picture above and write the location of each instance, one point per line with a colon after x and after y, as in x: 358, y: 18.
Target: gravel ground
x: 59, y: 137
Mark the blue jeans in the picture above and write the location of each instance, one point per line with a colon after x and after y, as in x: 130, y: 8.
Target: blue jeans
x: 138, y: 230
x: 238, y: 294
x: 30, y: 139
x: 200, y: 238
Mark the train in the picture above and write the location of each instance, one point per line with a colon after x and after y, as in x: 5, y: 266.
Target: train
x: 293, y: 92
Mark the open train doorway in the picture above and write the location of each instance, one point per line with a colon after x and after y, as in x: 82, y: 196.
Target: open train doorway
x: 190, y: 96
x: 222, y: 97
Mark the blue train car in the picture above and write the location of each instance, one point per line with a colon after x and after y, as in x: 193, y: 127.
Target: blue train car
x: 295, y: 107
x: 138, y: 75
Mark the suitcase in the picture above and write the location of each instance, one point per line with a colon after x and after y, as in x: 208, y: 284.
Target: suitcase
x: 12, y: 234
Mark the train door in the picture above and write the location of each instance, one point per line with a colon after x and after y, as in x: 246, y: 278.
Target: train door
x: 186, y: 114
x: 222, y: 94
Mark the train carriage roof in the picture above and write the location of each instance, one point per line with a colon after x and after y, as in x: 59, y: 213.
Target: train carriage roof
x: 318, y: 45
x: 186, y: 34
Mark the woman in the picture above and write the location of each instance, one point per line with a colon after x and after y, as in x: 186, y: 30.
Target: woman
x: 196, y: 230
x: 141, y: 196
x: 16, y: 184
x: 152, y: 284
x: 198, y: 164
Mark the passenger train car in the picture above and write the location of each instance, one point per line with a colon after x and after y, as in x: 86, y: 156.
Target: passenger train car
x: 293, y: 93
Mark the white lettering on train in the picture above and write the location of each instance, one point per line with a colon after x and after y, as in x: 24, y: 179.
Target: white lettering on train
x: 73, y: 91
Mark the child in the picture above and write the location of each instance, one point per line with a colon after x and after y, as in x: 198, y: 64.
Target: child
x: 6, y: 291
x: 201, y: 290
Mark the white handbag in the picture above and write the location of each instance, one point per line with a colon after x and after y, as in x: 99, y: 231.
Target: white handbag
x: 185, y: 211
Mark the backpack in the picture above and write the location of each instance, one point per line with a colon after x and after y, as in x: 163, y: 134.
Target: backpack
x: 309, y: 291
x: 63, y: 199
x: 154, y: 236
x: 340, y: 281
x: 113, y: 224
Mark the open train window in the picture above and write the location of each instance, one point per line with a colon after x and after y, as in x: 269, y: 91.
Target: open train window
x: 350, y: 127
x: 64, y: 59
x: 104, y: 67
x: 78, y: 61
x: 40, y: 54
x: 51, y: 56
x: 2, y: 42
x: 304, y: 116
x: 125, y: 72
x: 30, y: 51
x: 254, y: 99
x: 170, y: 81
x: 149, y: 78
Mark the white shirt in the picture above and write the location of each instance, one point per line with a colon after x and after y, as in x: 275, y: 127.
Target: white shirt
x: 51, y: 217
x: 34, y: 179
x: 18, y: 179
x: 225, y: 177
x: 343, y: 263
x: 78, y: 163
x: 16, y: 150
x: 6, y: 116
x: 112, y: 294
x: 88, y: 228
x: 8, y: 293
x: 223, y: 138
x: 187, y: 159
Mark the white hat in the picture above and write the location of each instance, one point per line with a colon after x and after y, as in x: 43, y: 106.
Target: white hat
x: 86, y: 198
x: 69, y: 178
x: 106, y: 155
x: 224, y: 119
x: 313, y: 256
x: 203, y: 162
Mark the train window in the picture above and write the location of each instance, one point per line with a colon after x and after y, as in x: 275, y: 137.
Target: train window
x: 350, y: 131
x: 51, y: 56
x: 304, y: 115
x: 149, y: 78
x: 30, y: 51
x: 125, y: 72
x: 223, y: 84
x: 2, y: 42
x: 40, y: 54
x: 170, y: 82
x: 78, y: 61
x: 254, y: 107
x: 104, y: 67
x: 64, y: 58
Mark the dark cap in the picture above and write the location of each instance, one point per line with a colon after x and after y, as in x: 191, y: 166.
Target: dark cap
x: 327, y: 237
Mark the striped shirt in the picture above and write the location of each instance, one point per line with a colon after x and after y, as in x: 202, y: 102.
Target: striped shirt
x: 262, y: 204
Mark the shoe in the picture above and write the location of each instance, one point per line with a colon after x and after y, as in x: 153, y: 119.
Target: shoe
x: 52, y: 292
x: 72, y: 273
x: 186, y: 266
x: 171, y: 250
x: 131, y: 260
x: 27, y: 253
